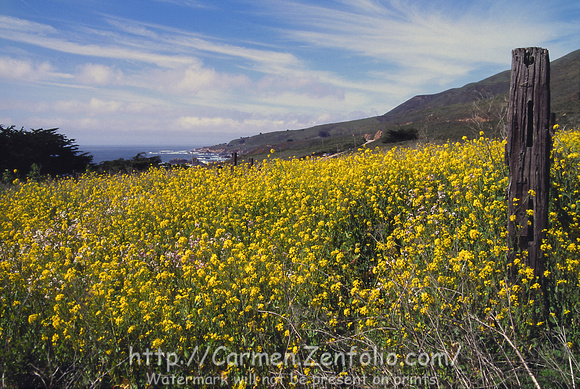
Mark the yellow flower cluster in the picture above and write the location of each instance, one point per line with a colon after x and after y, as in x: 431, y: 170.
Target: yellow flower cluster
x: 374, y: 248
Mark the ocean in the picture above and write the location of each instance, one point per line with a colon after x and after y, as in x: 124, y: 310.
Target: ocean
x: 102, y: 153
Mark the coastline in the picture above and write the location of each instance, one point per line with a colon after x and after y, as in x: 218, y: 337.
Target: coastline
x: 167, y: 153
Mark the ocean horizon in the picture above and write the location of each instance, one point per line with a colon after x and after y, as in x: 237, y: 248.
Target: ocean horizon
x: 167, y: 153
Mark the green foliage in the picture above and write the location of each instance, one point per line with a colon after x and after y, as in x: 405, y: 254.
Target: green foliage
x: 30, y: 153
x: 34, y: 173
x: 400, y: 135
x: 138, y: 163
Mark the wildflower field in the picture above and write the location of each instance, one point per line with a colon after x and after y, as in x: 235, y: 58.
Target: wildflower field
x: 370, y: 270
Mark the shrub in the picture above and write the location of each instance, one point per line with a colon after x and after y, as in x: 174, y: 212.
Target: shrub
x: 400, y: 135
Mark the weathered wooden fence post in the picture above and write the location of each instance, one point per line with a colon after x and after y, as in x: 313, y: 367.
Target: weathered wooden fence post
x: 528, y: 153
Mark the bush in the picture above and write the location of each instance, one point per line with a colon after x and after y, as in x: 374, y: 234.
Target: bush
x: 138, y: 163
x: 399, y: 135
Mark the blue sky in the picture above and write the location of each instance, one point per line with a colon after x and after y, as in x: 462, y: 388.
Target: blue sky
x: 197, y: 72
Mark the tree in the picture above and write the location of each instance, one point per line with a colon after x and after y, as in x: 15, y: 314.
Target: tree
x: 40, y: 152
x: 489, y: 113
x: 138, y: 163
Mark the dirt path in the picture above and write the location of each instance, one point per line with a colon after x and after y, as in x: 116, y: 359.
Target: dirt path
x: 342, y: 152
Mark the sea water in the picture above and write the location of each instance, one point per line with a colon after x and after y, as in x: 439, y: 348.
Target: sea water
x: 102, y: 153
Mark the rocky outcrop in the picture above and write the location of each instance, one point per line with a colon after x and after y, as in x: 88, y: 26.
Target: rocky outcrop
x: 372, y: 137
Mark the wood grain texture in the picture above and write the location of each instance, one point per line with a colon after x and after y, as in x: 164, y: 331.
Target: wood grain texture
x: 528, y: 153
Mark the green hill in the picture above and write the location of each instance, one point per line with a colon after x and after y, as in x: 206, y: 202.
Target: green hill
x: 448, y: 115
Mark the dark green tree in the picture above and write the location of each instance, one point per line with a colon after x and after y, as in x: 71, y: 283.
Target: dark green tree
x: 40, y: 152
x: 138, y: 163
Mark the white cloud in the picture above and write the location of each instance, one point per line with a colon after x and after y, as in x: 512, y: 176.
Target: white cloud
x: 147, y: 43
x: 259, y: 60
x: 193, y: 79
x: 97, y: 74
x: 26, y: 26
x: 186, y: 3
x: 168, y: 63
x: 424, y: 41
x: 26, y: 70
x: 98, y: 107
x: 48, y: 37
x: 309, y: 85
x: 226, y: 124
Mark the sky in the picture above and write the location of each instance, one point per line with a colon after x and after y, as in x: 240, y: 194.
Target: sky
x: 202, y: 72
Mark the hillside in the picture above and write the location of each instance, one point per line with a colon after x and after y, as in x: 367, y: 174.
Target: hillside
x: 448, y: 115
